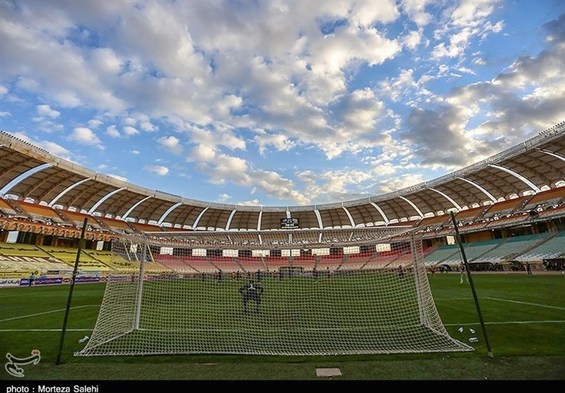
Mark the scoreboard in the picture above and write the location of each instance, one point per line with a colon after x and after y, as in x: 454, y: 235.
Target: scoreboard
x: 289, y: 223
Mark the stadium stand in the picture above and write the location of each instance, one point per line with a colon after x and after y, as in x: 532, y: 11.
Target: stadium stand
x: 437, y: 221
x: 545, y: 199
x: 78, y: 219
x: 116, y: 262
x: 26, y: 258
x: 504, y: 208
x: 6, y: 209
x: 68, y: 256
x: 500, y: 217
x: 470, y: 215
x: 22, y: 250
x: 40, y: 213
x: 384, y: 259
x: 175, y: 263
x: 307, y: 262
x: 116, y: 225
x: 357, y: 261
x: 224, y: 264
x: 473, y: 251
x: 200, y: 264
x: 441, y: 254
x: 145, y: 227
x: 252, y: 264
x: 274, y: 263
x: 551, y: 248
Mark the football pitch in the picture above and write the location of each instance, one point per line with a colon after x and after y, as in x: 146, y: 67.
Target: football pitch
x: 524, y: 316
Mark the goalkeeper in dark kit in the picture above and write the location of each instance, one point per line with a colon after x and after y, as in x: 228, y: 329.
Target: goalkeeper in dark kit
x: 251, y: 292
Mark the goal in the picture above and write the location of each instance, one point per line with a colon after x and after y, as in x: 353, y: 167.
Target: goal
x: 269, y: 293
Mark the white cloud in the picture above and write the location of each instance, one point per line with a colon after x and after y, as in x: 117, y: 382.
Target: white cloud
x: 35, y: 41
x: 279, y: 141
x: 458, y: 43
x: 334, y: 185
x: 171, y: 143
x: 358, y: 115
x: 135, y: 152
x: 85, y: 136
x: 227, y: 168
x: 235, y: 170
x: 365, y: 13
x: 472, y: 12
x: 274, y: 185
x: 251, y: 202
x: 406, y: 87
x: 48, y: 125
x: 226, y: 105
x: 129, y: 131
x: 416, y: 10
x: 203, y: 153
x: 399, y: 182
x: 164, y: 61
x: 94, y: 123
x: 412, y: 39
x: 45, y: 118
x: 439, y: 137
x: 462, y: 23
x: 157, y: 169
x: 223, y: 198
x: 147, y: 126
x: 478, y: 59
x: 47, y: 111
x: 516, y: 104
x: 113, y: 131
x: 3, y: 90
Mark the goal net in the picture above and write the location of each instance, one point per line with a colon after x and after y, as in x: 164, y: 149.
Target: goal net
x: 279, y: 293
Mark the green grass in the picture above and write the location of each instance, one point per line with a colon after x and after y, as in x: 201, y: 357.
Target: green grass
x: 525, y: 317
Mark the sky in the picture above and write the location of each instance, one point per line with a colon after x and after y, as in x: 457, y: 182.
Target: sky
x: 280, y: 103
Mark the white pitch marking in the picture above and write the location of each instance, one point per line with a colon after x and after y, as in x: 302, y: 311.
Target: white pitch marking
x: 46, y: 312
x: 504, y: 323
x: 44, y: 330
x: 529, y: 304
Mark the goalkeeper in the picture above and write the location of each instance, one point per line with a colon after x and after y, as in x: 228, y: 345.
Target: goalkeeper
x: 251, y: 292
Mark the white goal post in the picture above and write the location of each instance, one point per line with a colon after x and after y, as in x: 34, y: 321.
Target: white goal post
x: 318, y: 292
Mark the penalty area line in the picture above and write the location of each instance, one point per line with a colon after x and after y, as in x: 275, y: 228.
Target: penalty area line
x: 505, y: 323
x: 43, y: 330
x: 527, y: 303
x: 46, y: 312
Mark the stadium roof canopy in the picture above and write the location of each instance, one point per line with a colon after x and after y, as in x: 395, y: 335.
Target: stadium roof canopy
x: 28, y: 173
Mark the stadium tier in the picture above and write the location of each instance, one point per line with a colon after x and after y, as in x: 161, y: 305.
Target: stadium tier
x: 252, y: 264
x: 86, y: 262
x: 25, y: 258
x: 552, y: 248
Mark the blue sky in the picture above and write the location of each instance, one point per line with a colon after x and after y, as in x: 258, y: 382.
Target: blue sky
x: 280, y: 102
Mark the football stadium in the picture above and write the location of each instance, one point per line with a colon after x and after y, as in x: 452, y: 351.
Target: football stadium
x: 174, y: 288
x: 227, y: 192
